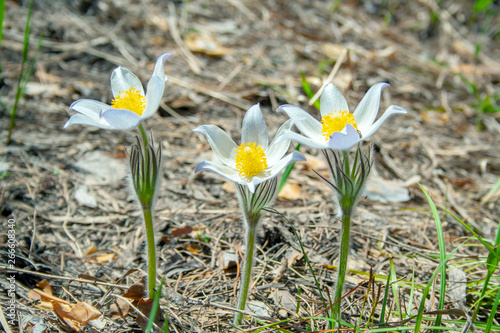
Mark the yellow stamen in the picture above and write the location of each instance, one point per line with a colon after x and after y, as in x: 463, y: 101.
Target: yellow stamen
x: 131, y: 99
x: 250, y: 159
x: 336, y: 122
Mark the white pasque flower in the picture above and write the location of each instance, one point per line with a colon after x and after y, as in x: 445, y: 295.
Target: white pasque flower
x: 129, y: 106
x: 255, y: 160
x: 339, y: 129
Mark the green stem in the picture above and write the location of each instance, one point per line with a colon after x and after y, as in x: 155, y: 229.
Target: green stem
x: 247, y: 271
x: 344, y: 252
x: 150, y: 242
x: 144, y: 135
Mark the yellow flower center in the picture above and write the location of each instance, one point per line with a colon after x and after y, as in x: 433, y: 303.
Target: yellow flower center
x: 250, y: 159
x: 131, y: 99
x: 336, y: 121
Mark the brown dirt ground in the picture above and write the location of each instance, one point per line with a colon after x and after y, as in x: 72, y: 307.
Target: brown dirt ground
x: 229, y: 55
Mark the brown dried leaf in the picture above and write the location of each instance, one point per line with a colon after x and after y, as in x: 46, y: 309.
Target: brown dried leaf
x: 61, y: 311
x: 436, y: 118
x: 119, y: 309
x: 193, y: 247
x: 76, y: 315
x: 38, y: 294
x: 105, y: 258
x: 206, y: 44
x: 179, y: 232
x: 90, y: 251
x: 290, y: 191
x: 45, y: 286
x: 292, y: 256
x: 145, y: 306
x: 137, y: 291
x: 83, y: 313
x: 44, y: 296
x: 90, y: 278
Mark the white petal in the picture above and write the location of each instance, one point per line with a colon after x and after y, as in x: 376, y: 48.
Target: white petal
x: 84, y: 120
x: 222, y: 144
x: 121, y: 119
x: 278, y: 148
x: 154, y: 94
x: 283, y: 163
x: 159, y: 70
x: 90, y: 108
x: 273, y: 170
x: 254, y: 128
x: 290, y: 135
x: 223, y: 170
x: 344, y: 141
x: 123, y: 79
x: 332, y: 100
x: 156, y: 86
x: 306, y: 123
x: 393, y: 109
x: 367, y: 110
x: 253, y: 184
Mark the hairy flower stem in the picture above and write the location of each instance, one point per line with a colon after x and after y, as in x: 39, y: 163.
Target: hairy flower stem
x: 344, y: 252
x: 144, y: 135
x: 150, y: 242
x: 251, y: 227
x: 145, y: 165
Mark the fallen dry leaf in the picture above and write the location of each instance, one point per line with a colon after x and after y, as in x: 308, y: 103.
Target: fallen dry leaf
x: 105, y: 258
x: 136, y: 291
x: 80, y: 313
x: 119, y: 309
x: 74, y: 316
x: 206, y: 44
x: 90, y: 251
x: 179, y: 232
x: 290, y: 191
x: 90, y: 278
x: 102, y: 258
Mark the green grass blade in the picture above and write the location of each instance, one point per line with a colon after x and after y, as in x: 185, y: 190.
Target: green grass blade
x: 2, y: 16
x: 492, y: 260
x: 481, y: 5
x: 489, y: 324
x: 308, y: 90
x: 491, y: 250
x: 384, y: 302
x: 299, y: 291
x: 26, y: 42
x: 287, y: 172
x: 154, y: 309
x: 491, y: 265
x: 395, y: 287
x: 412, y: 291
x: 442, y: 252
x: 492, y: 190
x: 22, y: 81
x: 421, y: 308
